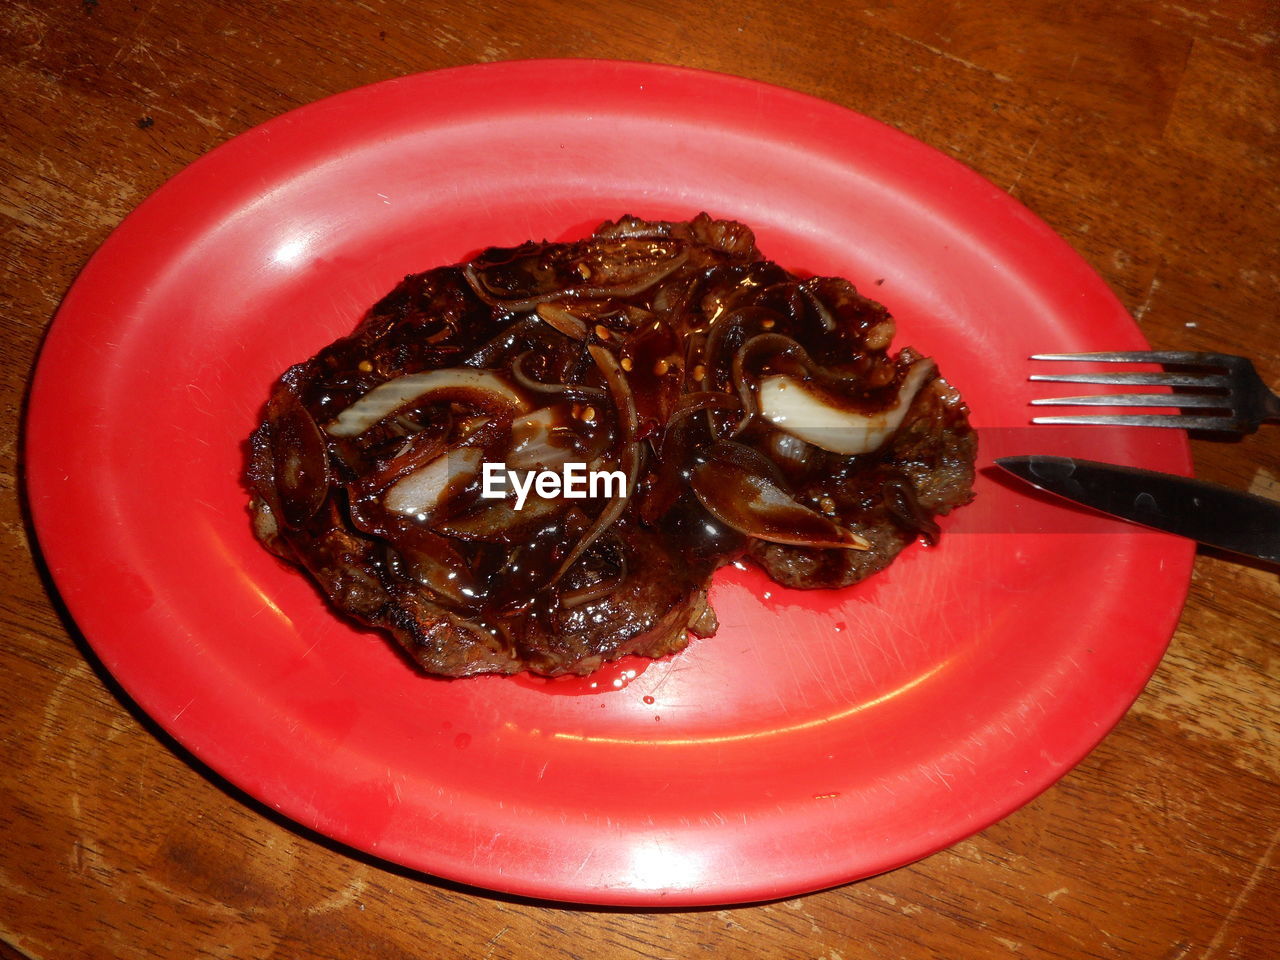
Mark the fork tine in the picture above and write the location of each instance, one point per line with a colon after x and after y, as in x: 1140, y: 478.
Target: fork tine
x: 1217, y: 401
x: 1139, y: 379
x: 1215, y: 424
x: 1142, y: 356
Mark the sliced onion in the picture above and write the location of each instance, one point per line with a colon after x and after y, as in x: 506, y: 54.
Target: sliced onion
x: 424, y: 491
x: 610, y: 514
x: 300, y: 462
x: 534, y: 441
x: 779, y: 344
x: 572, y: 391
x: 820, y: 308
x: 614, y: 267
x: 492, y: 350
x: 624, y: 403
x: 689, y: 404
x: 385, y: 398
x: 792, y: 455
x: 701, y: 400
x: 741, y: 488
x: 623, y: 400
x: 789, y: 405
x: 560, y: 319
x: 431, y: 560
x: 499, y: 521
x: 626, y: 266
x: 733, y: 324
x: 665, y: 483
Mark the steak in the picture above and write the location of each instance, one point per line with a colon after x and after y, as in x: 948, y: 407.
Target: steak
x: 743, y: 412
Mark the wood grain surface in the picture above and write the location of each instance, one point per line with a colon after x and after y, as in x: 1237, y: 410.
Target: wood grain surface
x: 1145, y: 133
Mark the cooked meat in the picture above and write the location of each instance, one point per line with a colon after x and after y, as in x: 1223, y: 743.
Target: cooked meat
x: 742, y: 410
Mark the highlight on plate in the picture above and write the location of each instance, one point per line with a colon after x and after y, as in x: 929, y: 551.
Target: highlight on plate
x: 536, y: 460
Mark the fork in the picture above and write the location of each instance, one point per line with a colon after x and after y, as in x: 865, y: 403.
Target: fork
x: 1231, y: 387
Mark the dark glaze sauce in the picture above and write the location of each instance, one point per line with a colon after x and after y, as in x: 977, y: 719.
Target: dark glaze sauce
x: 689, y: 318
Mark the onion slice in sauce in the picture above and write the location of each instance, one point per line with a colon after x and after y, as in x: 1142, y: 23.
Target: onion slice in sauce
x: 533, y: 441
x: 619, y: 388
x: 300, y: 461
x: 499, y: 521
x: 618, y: 267
x: 425, y: 490
x: 426, y: 558
x: 625, y: 404
x: 394, y: 394
x: 789, y: 405
x: 561, y: 320
x: 573, y: 391
x: 741, y: 488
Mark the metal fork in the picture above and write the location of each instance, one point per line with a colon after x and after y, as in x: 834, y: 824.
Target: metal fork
x: 1235, y: 391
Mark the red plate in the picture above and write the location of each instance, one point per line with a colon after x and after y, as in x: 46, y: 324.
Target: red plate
x: 819, y: 737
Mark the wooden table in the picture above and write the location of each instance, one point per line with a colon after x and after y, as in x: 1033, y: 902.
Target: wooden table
x: 1145, y: 133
